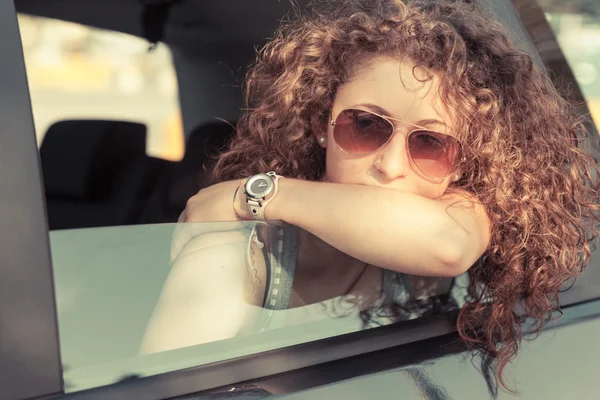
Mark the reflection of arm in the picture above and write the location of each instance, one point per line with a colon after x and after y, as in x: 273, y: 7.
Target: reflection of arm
x: 206, y: 296
x: 389, y: 228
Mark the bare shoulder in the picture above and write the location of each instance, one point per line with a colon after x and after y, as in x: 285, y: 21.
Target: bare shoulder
x: 207, y: 294
x: 232, y: 239
x: 223, y: 261
x: 192, y: 237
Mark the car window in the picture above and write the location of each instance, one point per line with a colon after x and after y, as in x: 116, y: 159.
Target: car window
x: 79, y: 72
x: 116, y: 177
x: 121, y: 303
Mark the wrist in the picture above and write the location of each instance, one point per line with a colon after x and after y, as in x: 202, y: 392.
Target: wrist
x: 240, y: 207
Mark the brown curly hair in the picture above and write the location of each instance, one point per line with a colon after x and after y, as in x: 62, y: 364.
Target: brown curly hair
x: 527, y: 158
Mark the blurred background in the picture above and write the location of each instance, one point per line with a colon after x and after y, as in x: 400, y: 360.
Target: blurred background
x: 578, y: 34
x: 79, y: 72
x: 575, y: 24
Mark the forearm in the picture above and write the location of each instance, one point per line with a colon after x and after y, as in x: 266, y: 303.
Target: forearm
x: 384, y: 227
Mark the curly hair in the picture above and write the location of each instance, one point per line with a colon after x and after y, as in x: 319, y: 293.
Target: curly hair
x: 528, y: 158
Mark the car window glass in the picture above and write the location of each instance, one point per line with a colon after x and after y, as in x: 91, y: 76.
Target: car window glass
x: 123, y: 293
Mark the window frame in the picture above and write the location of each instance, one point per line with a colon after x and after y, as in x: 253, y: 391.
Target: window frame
x: 27, y: 288
x: 29, y: 344
x: 548, y: 49
x: 295, y: 359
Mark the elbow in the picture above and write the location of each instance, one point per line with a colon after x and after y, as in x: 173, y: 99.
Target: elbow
x: 453, y: 259
x: 459, y: 247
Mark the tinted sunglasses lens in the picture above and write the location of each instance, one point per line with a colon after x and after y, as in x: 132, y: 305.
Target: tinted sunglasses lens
x: 434, y: 153
x: 360, y: 132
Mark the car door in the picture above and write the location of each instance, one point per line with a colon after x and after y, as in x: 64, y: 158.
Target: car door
x: 421, y: 358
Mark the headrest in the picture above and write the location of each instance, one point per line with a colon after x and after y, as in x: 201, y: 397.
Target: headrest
x: 204, y: 142
x: 81, y: 158
x: 207, y: 140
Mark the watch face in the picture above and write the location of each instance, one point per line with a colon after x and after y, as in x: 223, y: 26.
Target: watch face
x: 259, y: 185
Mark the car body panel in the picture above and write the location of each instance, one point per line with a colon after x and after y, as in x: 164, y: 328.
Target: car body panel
x: 561, y: 364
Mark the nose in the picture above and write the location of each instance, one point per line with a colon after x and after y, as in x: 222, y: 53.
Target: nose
x: 393, y: 157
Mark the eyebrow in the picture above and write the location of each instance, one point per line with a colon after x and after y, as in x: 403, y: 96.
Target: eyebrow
x: 431, y: 122
x: 379, y: 110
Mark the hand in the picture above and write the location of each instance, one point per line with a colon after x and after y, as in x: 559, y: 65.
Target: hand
x: 212, y: 204
x: 215, y: 204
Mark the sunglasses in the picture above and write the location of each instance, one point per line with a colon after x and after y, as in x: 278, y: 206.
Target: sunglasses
x: 360, y: 132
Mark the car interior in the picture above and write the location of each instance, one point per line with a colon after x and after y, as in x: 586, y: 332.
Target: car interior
x: 96, y: 172
x: 92, y: 175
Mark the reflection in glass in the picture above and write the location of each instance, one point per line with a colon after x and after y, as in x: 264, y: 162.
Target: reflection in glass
x: 258, y: 279
x: 208, y: 292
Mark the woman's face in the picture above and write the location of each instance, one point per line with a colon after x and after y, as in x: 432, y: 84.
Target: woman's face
x: 391, y: 87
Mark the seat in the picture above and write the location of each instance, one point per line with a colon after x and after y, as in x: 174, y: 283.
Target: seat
x: 96, y: 173
x: 186, y: 177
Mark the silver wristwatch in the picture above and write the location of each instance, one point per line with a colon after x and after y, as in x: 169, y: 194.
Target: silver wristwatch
x: 260, y: 190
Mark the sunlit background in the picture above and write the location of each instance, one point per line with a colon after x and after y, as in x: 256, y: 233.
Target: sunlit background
x: 78, y: 72
x: 578, y: 34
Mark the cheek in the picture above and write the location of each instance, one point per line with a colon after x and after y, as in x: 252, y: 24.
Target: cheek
x: 433, y: 190
x: 340, y: 169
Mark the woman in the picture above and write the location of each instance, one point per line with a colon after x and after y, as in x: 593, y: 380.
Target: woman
x: 412, y: 136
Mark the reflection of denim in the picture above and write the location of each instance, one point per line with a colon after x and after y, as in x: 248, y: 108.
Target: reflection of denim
x: 399, y: 304
x: 395, y: 304
x: 280, y: 251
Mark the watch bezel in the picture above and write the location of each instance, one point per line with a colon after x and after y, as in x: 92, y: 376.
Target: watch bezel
x: 263, y: 194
